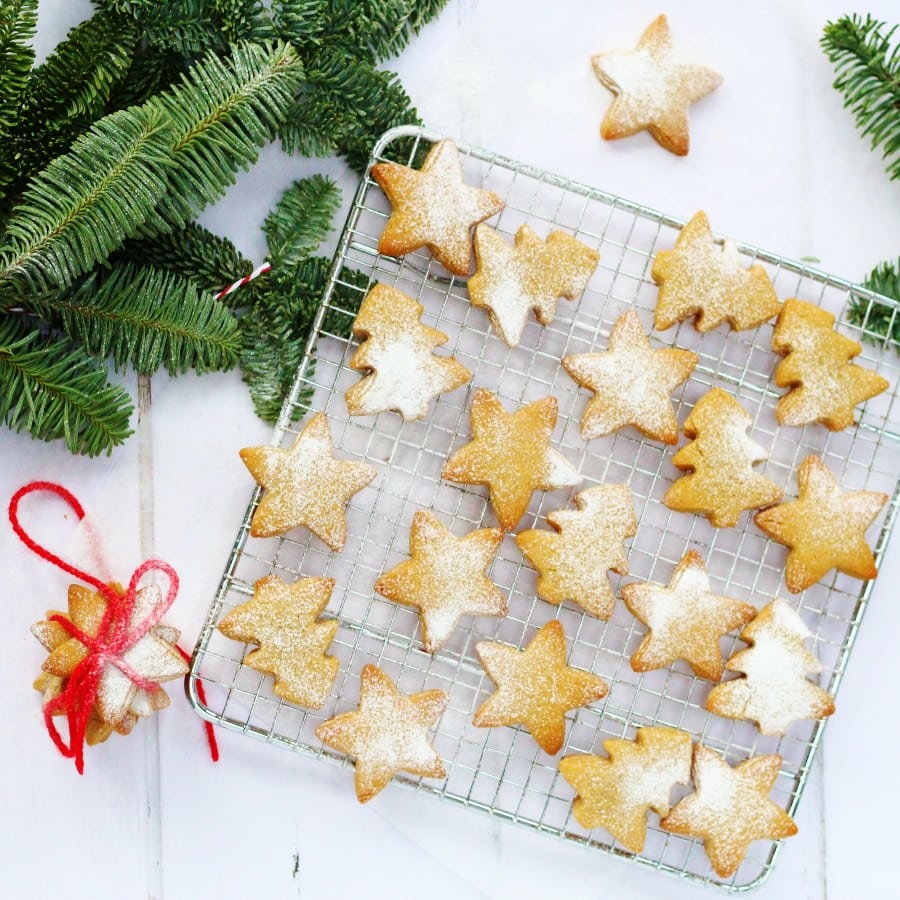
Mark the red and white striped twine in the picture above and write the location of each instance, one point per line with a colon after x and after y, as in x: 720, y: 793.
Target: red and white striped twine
x: 259, y: 270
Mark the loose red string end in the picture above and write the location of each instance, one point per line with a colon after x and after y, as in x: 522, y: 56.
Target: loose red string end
x: 208, y: 726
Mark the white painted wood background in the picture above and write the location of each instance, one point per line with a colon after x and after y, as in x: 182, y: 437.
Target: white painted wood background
x: 776, y: 162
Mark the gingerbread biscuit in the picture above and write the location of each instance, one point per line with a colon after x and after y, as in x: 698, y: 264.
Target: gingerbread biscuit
x: 632, y: 383
x: 573, y: 560
x: 387, y: 733
x: 402, y: 372
x: 617, y: 791
x: 305, y: 485
x: 535, y: 687
x: 710, y: 283
x: 774, y: 690
x: 730, y: 808
x: 722, y: 482
x: 154, y: 657
x: 686, y: 620
x: 282, y: 620
x: 445, y: 577
x: 532, y: 274
x: 511, y: 454
x: 432, y: 207
x: 824, y: 528
x: 824, y: 385
x: 654, y: 89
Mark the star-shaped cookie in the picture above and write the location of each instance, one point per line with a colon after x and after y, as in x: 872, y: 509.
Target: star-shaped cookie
x: 824, y: 528
x: 305, y: 485
x: 699, y: 278
x: 653, y: 89
x: 632, y: 383
x: 616, y: 792
x: 511, y: 454
x: 686, y: 620
x: 586, y: 543
x: 432, y: 207
x: 445, y: 577
x: 509, y: 281
x: 282, y: 619
x: 387, y: 733
x: 730, y: 808
x: 535, y: 687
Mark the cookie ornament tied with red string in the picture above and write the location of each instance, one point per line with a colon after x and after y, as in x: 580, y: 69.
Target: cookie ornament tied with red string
x: 109, y: 653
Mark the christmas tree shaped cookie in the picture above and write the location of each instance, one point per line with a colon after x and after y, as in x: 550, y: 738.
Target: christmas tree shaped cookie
x: 654, y: 89
x: 403, y: 373
x: 532, y: 274
x: 824, y: 527
x: 631, y: 382
x: 511, y: 454
x: 305, y: 485
x: 720, y: 458
x: 432, y: 207
x: 699, y: 278
x: 535, y: 687
x: 730, y: 808
x: 574, y: 558
x: 775, y: 690
x: 824, y: 385
x: 445, y: 577
x: 387, y: 733
x: 282, y: 619
x: 616, y: 792
x: 686, y: 620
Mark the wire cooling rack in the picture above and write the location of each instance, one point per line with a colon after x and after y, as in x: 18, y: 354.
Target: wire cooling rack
x: 501, y: 770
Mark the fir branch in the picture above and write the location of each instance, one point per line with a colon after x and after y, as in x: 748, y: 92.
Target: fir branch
x: 84, y: 204
x: 212, y: 262
x: 147, y: 318
x: 71, y: 90
x: 52, y: 390
x: 879, y: 321
x: 222, y: 112
x: 301, y: 220
x: 152, y: 70
x: 868, y: 75
x: 18, y: 21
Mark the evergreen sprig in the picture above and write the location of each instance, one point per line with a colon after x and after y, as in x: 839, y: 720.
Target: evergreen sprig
x: 880, y: 321
x: 867, y: 62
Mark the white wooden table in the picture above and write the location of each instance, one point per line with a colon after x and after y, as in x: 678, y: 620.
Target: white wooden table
x: 775, y: 161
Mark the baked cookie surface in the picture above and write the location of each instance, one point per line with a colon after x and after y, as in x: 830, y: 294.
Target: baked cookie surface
x: 654, y: 89
x: 445, y: 577
x: 432, y: 207
x: 632, y: 383
x: 535, y: 687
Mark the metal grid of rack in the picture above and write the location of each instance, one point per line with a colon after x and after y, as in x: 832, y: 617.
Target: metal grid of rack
x: 501, y: 770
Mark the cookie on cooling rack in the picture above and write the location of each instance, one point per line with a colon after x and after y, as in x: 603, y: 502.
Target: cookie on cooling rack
x: 402, y: 372
x: 305, y: 485
x: 774, y: 690
x: 535, y: 687
x: 631, y: 382
x: 432, y: 207
x: 824, y: 528
x: 283, y: 621
x: 721, y: 482
x: 706, y: 281
x: 387, y: 733
x: 509, y: 281
x: 511, y: 454
x: 654, y: 89
x: 686, y: 620
x: 445, y: 577
x: 730, y: 808
x: 824, y: 385
x: 616, y: 792
x: 585, y: 544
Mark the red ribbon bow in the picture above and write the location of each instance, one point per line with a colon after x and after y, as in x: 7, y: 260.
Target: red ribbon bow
x: 115, y: 634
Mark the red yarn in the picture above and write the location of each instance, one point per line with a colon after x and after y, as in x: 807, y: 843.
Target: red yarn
x: 115, y: 636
